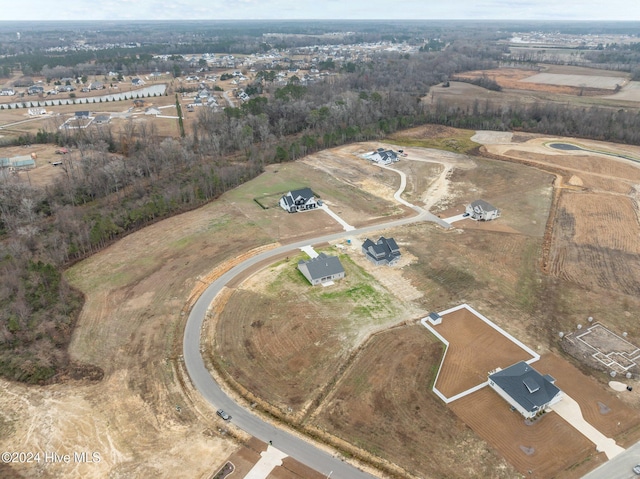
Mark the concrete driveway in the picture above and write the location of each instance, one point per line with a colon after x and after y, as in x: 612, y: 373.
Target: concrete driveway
x: 569, y: 410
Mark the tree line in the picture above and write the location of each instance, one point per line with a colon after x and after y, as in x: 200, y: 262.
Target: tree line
x: 115, y: 182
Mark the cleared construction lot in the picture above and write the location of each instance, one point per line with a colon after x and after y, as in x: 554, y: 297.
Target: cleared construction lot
x: 367, y: 381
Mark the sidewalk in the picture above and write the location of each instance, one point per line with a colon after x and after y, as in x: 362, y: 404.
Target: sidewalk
x: 270, y: 459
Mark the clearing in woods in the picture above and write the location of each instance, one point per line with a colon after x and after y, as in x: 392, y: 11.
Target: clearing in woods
x: 494, y: 265
x: 136, y: 289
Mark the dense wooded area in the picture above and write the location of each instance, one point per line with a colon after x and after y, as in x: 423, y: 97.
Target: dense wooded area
x: 117, y: 182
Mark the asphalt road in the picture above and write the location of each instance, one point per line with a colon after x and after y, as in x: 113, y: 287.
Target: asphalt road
x: 620, y: 467
x: 247, y: 420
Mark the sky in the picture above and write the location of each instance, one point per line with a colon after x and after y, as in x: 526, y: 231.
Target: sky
x: 25, y: 10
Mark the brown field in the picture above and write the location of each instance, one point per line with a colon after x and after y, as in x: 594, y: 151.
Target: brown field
x: 383, y: 403
x: 131, y: 324
x: 596, y: 244
x: 362, y: 197
x: 567, y: 81
x: 475, y: 348
x: 549, y: 447
x: 594, y: 240
x: 289, y: 351
x: 600, y: 405
x: 134, y: 291
x: 514, y: 89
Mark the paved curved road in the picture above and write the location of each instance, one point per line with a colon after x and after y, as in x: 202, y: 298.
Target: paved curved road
x: 291, y: 445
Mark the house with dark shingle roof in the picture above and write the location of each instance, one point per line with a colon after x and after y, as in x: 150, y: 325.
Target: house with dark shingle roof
x: 102, y: 119
x: 321, y: 269
x: 299, y: 200
x: 384, y: 251
x: 35, y: 89
x: 528, y: 391
x: 482, y: 211
x: 384, y: 157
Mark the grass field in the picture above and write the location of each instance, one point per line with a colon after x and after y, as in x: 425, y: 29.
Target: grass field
x: 289, y: 351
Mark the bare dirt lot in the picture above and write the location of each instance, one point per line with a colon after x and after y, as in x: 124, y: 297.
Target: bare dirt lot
x: 136, y: 289
x: 284, y: 339
x: 549, y: 447
x: 384, y: 404
x: 601, y: 406
x: 597, y: 222
x: 475, y: 348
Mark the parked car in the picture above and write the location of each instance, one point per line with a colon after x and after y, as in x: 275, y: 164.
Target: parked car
x: 223, y: 415
x: 636, y: 469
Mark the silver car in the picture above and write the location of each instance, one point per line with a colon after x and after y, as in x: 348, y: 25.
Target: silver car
x: 223, y: 415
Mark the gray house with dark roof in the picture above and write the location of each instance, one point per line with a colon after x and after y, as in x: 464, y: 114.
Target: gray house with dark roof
x: 299, y: 200
x: 384, y: 251
x: 482, y: 211
x: 525, y: 389
x: 384, y: 157
x: 321, y: 269
x: 102, y: 119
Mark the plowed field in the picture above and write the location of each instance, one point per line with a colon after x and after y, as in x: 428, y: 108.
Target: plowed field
x: 595, y: 242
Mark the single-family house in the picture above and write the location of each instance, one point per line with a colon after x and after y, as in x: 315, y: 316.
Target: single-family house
x: 35, y: 90
x: 383, y: 251
x: 102, y: 119
x: 528, y: 391
x: 482, y: 211
x: 384, y: 157
x: 96, y: 85
x: 36, y: 111
x: 82, y: 114
x: 137, y: 82
x: 7, y: 92
x: 299, y: 200
x: 321, y: 269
